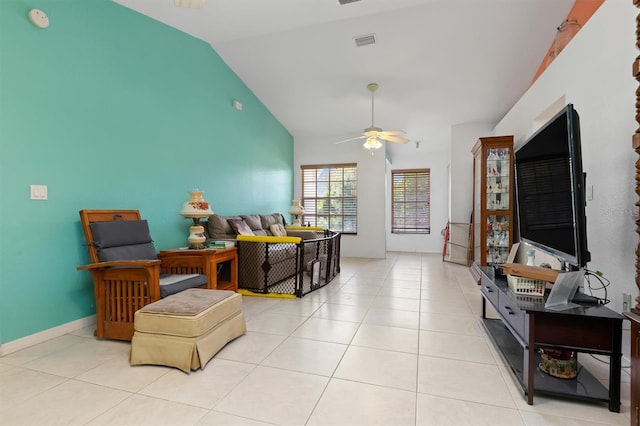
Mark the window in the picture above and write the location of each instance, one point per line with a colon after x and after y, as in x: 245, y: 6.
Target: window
x: 410, y: 201
x: 329, y: 196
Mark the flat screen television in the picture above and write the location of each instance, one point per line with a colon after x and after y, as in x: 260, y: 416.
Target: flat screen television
x: 550, y: 190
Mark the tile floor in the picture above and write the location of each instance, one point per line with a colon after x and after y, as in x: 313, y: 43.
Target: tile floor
x: 388, y: 342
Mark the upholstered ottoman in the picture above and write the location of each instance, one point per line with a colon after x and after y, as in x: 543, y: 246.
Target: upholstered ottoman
x: 187, y: 329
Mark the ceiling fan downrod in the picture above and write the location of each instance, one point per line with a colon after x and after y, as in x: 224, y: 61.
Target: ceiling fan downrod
x: 372, y: 88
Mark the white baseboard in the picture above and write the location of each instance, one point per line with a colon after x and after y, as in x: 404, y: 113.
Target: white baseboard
x: 43, y: 336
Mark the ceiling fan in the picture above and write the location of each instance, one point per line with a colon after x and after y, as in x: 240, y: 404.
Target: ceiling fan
x: 375, y: 135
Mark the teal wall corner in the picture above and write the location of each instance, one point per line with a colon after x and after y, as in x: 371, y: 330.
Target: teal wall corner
x: 111, y: 109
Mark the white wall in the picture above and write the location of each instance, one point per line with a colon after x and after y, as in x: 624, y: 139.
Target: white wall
x: 425, y: 157
x: 594, y: 73
x: 374, y: 237
x: 370, y: 240
x: 463, y: 137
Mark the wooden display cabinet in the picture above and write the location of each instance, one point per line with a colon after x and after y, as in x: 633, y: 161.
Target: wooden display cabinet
x: 493, y: 189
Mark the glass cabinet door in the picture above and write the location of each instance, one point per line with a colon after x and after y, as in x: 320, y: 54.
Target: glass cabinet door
x: 498, y: 239
x: 498, y: 178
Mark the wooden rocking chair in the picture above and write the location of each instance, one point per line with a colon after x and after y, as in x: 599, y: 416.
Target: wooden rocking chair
x: 127, y: 273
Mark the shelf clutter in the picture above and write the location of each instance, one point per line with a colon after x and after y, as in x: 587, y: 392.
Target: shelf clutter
x: 527, y: 279
x: 533, y: 272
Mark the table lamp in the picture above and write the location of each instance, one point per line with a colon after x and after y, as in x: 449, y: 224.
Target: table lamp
x: 296, y: 210
x: 196, y: 208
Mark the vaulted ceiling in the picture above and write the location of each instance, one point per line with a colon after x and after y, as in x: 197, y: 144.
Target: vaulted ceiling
x: 438, y: 62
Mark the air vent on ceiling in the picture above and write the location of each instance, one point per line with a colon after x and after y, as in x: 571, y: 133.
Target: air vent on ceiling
x: 343, y: 2
x: 365, y: 40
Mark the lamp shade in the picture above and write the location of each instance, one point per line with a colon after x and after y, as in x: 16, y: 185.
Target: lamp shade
x: 196, y: 206
x: 296, y: 208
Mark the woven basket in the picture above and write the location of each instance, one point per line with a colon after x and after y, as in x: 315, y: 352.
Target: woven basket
x: 528, y: 286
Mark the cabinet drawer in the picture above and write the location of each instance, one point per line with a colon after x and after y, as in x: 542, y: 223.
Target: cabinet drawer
x: 512, y: 315
x: 490, y: 290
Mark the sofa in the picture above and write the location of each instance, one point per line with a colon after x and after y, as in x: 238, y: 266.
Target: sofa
x: 219, y: 228
x: 273, y: 257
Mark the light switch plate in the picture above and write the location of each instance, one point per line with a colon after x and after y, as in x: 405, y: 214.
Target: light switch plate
x: 39, y: 192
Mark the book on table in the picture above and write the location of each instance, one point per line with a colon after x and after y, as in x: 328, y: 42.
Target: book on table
x: 217, y: 246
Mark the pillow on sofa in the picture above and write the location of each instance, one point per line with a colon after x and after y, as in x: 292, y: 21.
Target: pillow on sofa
x: 278, y: 230
x: 253, y: 220
x: 219, y: 227
x: 241, y: 227
x: 270, y: 219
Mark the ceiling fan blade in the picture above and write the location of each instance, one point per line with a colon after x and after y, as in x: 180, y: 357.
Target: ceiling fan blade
x: 351, y: 139
x: 393, y: 132
x: 391, y: 138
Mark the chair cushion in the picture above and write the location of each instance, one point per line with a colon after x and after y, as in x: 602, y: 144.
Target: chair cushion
x: 134, y: 252
x: 175, y: 283
x: 123, y: 240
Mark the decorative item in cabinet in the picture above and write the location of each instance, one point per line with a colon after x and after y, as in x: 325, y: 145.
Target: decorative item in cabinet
x: 498, y: 241
x: 492, y: 234
x: 498, y: 175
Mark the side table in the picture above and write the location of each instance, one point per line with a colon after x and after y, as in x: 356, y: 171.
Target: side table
x: 220, y: 265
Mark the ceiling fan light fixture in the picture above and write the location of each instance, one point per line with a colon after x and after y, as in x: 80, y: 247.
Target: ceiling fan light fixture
x: 372, y: 143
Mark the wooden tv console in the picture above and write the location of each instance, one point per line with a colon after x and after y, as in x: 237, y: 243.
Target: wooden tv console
x: 524, y: 326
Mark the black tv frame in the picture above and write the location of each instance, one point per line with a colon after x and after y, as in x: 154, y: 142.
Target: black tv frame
x: 550, y: 190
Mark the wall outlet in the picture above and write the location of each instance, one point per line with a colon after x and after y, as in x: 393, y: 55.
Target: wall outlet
x: 626, y: 302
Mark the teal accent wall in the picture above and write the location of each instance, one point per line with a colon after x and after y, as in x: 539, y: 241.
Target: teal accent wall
x: 111, y: 109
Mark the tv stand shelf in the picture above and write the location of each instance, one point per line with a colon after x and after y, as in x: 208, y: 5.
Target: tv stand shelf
x: 524, y: 325
x: 584, y: 386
